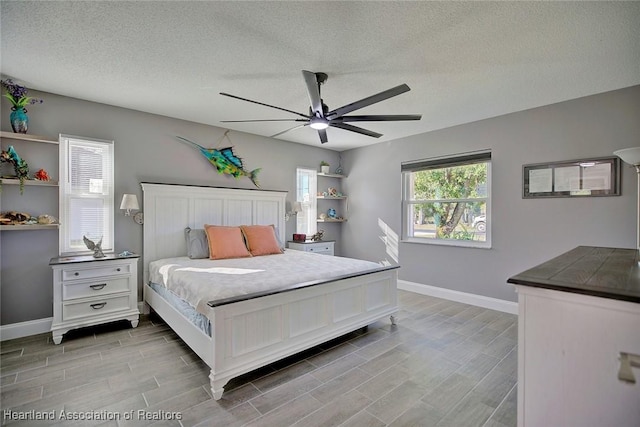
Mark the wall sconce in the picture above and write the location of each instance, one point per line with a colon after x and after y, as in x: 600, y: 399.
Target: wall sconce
x: 632, y: 157
x: 129, y: 203
x: 628, y: 361
x: 296, y: 207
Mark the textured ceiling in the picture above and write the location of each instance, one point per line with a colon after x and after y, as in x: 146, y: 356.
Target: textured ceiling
x: 464, y: 61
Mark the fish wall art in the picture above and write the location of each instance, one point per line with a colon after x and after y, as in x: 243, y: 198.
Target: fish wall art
x: 225, y: 161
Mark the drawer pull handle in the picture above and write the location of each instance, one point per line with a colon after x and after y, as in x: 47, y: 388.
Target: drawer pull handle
x: 98, y: 306
x: 76, y: 274
x: 118, y: 269
x: 98, y: 287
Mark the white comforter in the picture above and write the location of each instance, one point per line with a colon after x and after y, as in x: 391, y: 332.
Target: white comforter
x: 199, y: 281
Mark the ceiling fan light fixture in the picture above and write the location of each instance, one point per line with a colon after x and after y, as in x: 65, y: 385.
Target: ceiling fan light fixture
x: 320, y: 118
x: 318, y: 123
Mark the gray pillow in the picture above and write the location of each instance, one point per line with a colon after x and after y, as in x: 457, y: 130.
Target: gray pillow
x: 275, y: 230
x: 197, y: 243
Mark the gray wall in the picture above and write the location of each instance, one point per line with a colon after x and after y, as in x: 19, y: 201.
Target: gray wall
x: 525, y: 232
x: 145, y: 151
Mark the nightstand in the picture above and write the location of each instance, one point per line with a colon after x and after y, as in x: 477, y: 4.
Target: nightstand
x: 322, y: 247
x: 89, y: 291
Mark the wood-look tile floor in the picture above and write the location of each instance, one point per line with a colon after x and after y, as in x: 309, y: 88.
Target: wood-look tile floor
x: 443, y: 364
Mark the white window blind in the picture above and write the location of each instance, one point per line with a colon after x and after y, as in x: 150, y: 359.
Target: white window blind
x: 86, y: 194
x: 307, y: 188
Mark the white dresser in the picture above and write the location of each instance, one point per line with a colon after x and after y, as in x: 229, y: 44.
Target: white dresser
x: 578, y: 314
x: 322, y: 247
x: 89, y: 291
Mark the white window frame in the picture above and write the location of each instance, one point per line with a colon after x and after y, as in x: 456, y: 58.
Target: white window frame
x: 436, y: 163
x: 66, y: 194
x: 307, y: 220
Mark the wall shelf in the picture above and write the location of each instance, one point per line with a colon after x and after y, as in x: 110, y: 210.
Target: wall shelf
x: 15, y: 181
x: 42, y: 157
x: 331, y: 175
x: 331, y: 197
x: 332, y: 220
x: 24, y: 227
x: 27, y: 137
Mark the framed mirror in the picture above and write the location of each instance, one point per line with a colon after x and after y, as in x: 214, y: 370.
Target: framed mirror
x: 573, y: 178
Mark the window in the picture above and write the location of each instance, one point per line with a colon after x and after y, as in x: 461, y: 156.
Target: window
x: 86, y: 194
x: 307, y: 187
x: 447, y: 200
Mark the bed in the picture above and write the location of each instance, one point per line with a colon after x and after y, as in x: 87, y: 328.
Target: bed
x: 243, y: 327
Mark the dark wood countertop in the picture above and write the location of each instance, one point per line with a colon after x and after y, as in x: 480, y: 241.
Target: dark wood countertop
x: 590, y: 270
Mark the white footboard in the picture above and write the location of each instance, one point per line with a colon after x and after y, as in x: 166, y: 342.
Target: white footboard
x: 254, y: 333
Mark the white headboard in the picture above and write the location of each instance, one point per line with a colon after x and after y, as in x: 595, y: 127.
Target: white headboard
x: 169, y: 209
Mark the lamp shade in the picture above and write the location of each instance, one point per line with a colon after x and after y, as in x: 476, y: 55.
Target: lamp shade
x: 629, y: 155
x: 297, y: 207
x: 129, y: 202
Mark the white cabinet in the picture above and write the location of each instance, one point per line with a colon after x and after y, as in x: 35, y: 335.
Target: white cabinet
x: 568, y: 359
x: 89, y: 291
x: 324, y: 248
x: 323, y: 187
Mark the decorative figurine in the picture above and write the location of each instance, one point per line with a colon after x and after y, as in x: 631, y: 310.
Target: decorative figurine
x: 225, y: 160
x: 20, y: 167
x: 42, y: 175
x: 46, y: 219
x: 95, y: 247
x: 331, y: 213
x: 318, y: 236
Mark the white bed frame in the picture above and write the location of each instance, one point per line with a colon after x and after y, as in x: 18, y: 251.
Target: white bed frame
x: 253, y: 333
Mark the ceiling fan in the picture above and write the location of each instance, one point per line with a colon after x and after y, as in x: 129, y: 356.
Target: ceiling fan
x: 320, y: 117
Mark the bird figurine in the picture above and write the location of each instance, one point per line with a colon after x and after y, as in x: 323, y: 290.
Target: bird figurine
x: 95, y: 247
x: 318, y: 236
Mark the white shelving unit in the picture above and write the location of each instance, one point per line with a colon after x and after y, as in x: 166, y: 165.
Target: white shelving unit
x: 9, y: 198
x: 341, y: 198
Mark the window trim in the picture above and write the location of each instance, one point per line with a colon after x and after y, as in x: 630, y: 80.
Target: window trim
x: 65, y: 195
x: 407, y: 168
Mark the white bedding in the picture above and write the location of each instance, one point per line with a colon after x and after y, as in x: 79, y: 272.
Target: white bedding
x: 199, y: 281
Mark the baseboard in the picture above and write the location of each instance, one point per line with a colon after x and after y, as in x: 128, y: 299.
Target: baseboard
x: 25, y: 329
x: 463, y: 297
x: 33, y: 327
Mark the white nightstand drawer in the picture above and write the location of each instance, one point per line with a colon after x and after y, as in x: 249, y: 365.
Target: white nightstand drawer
x: 96, y: 307
x: 95, y: 288
x: 320, y: 249
x: 324, y: 248
x: 90, y: 273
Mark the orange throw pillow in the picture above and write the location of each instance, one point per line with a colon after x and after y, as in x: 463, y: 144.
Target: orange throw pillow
x: 261, y: 239
x: 225, y: 242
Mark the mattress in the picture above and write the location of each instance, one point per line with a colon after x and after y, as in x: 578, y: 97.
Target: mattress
x: 197, y: 319
x: 204, y: 283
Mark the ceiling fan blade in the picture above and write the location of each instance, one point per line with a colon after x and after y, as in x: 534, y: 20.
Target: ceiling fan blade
x: 355, y: 129
x: 376, y: 118
x: 389, y: 93
x: 287, y: 130
x: 313, y: 88
x: 263, y: 120
x: 262, y: 103
x: 323, y: 136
